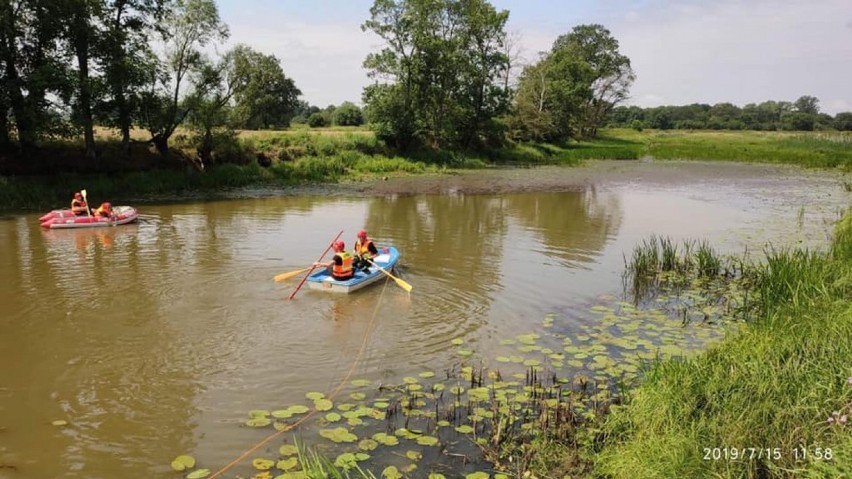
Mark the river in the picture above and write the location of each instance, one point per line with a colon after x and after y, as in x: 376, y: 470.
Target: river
x: 155, y: 339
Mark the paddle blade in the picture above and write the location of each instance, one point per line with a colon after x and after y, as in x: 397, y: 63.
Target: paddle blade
x: 286, y: 276
x: 402, y: 284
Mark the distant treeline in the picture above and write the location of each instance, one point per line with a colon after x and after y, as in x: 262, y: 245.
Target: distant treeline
x: 800, y: 115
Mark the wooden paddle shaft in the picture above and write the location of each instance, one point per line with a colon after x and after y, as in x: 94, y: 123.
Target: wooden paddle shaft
x: 293, y: 294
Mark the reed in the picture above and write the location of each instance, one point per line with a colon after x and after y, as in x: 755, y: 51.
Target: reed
x: 782, y: 384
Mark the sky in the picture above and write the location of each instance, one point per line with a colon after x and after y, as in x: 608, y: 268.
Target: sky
x: 683, y: 52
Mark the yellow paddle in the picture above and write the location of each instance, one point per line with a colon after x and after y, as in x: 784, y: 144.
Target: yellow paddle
x: 286, y: 276
x: 402, y: 284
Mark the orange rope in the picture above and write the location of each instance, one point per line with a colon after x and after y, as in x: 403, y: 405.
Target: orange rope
x: 334, y: 392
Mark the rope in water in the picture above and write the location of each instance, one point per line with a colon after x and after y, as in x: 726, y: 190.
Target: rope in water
x: 331, y: 395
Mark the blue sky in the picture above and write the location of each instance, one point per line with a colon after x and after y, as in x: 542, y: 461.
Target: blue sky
x: 689, y: 51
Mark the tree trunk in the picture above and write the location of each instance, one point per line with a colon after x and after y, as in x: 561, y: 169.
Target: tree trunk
x: 12, y: 82
x: 161, y: 142
x: 81, y: 48
x: 5, y: 139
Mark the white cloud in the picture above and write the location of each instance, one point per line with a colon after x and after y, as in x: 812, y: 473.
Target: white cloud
x: 323, y: 59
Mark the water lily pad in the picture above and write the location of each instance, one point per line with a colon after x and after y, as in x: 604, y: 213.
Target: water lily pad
x: 464, y: 429
x: 427, y: 440
x: 457, y: 341
x: 338, y: 434
x: 288, y: 450
x: 358, y: 396
x: 532, y: 362
x: 198, y: 474
x: 409, y: 468
x: 465, y: 352
x: 360, y: 382
x: 59, y: 423
x: 443, y: 423
x: 182, y: 463
x: 293, y: 475
x: 298, y: 409
x: 346, y: 461
x: 287, y: 464
x: 477, y: 475
x: 355, y: 421
x: 323, y: 405
x: 368, y: 444
x: 457, y: 389
x: 282, y: 414
x: 506, y: 342
x: 413, y: 455
x: 381, y: 405
x: 384, y: 438
x: 391, y: 472
x: 409, y: 380
x: 258, y: 422
x: 437, y: 387
x: 503, y: 359
x: 436, y: 475
x: 262, y: 464
x: 332, y: 417
x: 427, y: 374
x: 313, y: 396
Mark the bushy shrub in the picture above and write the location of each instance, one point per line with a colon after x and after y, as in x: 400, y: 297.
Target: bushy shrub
x: 348, y: 114
x: 317, y: 120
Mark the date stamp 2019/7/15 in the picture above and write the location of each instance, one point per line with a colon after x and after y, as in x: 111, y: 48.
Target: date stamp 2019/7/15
x: 800, y: 453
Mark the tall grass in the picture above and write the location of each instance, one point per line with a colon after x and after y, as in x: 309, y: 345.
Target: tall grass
x: 773, y: 387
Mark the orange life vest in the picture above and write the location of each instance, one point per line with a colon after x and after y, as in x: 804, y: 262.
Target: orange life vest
x: 344, y: 269
x: 363, y: 249
x: 101, y: 211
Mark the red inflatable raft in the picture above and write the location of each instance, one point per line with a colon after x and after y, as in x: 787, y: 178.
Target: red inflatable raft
x: 58, y: 219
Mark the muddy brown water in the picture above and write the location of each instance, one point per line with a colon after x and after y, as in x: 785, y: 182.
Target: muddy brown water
x: 155, y: 339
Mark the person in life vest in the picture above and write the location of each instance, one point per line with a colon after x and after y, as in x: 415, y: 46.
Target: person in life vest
x: 364, y: 250
x: 341, y: 263
x: 78, y: 205
x: 104, y: 210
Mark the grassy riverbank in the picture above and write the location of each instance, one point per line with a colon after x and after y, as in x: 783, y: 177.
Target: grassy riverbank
x: 335, y: 154
x: 771, y: 402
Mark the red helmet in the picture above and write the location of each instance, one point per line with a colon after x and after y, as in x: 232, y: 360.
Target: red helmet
x: 338, y: 245
x: 362, y: 234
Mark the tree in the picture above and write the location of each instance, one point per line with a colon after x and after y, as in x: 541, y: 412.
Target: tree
x: 578, y: 82
x: 609, y: 74
x: 843, y: 121
x: 531, y: 119
x: 267, y: 98
x: 36, y: 79
x: 317, y: 120
x: 186, y: 28
x: 126, y: 60
x: 807, y: 104
x: 440, y: 77
x: 348, y: 114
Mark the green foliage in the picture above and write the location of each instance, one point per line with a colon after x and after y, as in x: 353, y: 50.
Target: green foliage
x: 572, y: 88
x: 775, y: 385
x: 444, y: 62
x: 348, y: 114
x: 264, y: 97
x: 317, y: 120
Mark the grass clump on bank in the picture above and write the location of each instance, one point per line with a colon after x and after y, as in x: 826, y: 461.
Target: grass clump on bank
x: 780, y: 387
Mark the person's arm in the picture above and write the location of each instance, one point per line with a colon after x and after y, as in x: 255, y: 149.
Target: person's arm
x: 373, y: 250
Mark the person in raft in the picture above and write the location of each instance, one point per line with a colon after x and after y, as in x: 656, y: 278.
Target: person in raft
x: 79, y: 206
x: 365, y: 250
x: 105, y: 210
x: 341, y: 263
